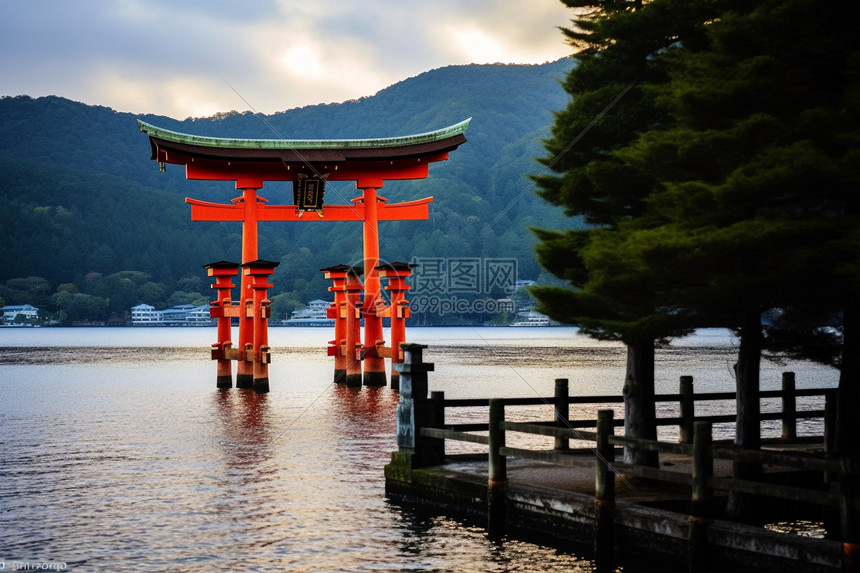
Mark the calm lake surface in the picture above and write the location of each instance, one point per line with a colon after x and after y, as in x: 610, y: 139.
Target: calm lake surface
x: 117, y: 452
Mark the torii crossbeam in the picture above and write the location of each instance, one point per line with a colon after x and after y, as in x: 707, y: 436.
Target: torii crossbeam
x: 250, y: 162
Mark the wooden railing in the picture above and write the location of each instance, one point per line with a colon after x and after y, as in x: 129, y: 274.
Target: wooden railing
x: 686, y: 399
x: 698, y: 444
x: 426, y: 421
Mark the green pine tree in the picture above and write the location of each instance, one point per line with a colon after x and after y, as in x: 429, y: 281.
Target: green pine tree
x: 612, y: 102
x: 758, y: 193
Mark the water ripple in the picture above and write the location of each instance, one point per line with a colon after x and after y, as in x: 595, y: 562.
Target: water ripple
x: 128, y: 458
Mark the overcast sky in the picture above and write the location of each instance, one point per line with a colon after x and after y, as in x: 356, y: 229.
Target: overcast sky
x: 194, y: 58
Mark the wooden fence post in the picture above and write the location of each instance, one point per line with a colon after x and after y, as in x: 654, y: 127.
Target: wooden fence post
x: 701, y: 507
x: 604, y: 490
x: 829, y: 430
x: 498, y: 477
x: 687, y: 410
x: 849, y: 514
x: 562, y: 411
x: 415, y: 411
x: 437, y: 417
x: 789, y: 405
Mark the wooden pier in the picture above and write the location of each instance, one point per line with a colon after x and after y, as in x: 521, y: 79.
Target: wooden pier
x: 573, y: 491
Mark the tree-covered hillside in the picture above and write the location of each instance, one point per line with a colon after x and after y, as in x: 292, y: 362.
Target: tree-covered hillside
x: 87, y: 213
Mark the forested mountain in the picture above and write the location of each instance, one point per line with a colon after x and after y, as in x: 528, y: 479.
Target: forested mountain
x: 88, y: 216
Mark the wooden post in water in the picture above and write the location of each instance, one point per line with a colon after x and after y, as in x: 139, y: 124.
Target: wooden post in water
x: 789, y: 406
x: 436, y: 419
x: 701, y: 507
x: 604, y: 490
x: 429, y: 451
x: 498, y: 477
x: 687, y: 410
x: 832, y: 514
x: 562, y: 411
x: 437, y: 401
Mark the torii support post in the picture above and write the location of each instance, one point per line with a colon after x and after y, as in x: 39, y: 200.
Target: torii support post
x: 338, y: 311
x: 396, y: 273
x: 260, y: 355
x: 222, y: 310
x: 352, y: 326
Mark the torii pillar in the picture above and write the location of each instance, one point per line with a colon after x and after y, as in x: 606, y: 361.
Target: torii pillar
x: 352, y: 326
x: 249, y: 200
x: 345, y: 281
x: 257, y: 351
x: 374, y: 361
x: 398, y: 311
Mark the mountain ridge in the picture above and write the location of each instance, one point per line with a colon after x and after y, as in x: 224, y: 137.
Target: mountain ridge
x: 64, y: 162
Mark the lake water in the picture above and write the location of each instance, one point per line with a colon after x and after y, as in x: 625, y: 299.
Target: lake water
x: 117, y: 452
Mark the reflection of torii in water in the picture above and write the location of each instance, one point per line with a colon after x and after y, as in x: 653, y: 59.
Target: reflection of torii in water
x: 308, y: 163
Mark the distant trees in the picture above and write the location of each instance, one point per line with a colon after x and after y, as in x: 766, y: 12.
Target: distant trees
x: 97, y: 298
x: 739, y: 196
x: 80, y: 193
x: 284, y: 304
x: 152, y: 293
x: 29, y: 290
x: 74, y: 307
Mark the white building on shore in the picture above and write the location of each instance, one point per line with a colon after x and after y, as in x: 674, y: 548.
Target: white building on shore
x: 144, y: 314
x: 180, y: 315
x: 314, y: 314
x: 11, y: 313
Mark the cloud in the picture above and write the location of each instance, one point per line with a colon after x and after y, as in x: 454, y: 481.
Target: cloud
x: 191, y: 57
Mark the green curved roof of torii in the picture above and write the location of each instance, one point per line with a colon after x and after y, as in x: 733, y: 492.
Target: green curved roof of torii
x: 234, y: 143
x: 182, y: 148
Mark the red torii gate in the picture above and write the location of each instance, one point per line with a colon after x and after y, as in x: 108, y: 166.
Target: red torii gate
x: 250, y: 162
